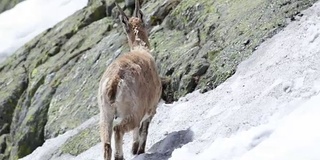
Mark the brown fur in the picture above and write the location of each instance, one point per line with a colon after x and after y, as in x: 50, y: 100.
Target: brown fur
x: 129, y: 92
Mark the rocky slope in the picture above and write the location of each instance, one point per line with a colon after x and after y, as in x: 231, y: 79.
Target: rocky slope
x: 8, y: 4
x: 49, y: 86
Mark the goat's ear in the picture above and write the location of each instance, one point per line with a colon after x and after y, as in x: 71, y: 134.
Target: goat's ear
x: 125, y: 23
x: 123, y: 18
x: 137, y: 12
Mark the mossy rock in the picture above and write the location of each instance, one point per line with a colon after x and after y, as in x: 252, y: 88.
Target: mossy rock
x: 3, y: 143
x: 8, y: 4
x: 229, y: 33
x: 12, y: 86
x: 82, y: 141
x: 45, y: 62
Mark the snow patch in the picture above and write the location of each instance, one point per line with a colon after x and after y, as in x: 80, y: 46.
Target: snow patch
x: 295, y: 137
x: 31, y: 17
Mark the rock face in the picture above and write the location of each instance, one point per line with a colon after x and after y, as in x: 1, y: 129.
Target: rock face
x: 8, y: 4
x: 49, y: 86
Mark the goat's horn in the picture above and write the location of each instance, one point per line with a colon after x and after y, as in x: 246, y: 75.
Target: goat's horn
x: 121, y: 11
x: 137, y: 8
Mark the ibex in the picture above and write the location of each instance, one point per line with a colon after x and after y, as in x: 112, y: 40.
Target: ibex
x: 129, y: 90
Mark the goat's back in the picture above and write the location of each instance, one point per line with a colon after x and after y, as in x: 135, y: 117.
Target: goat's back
x: 132, y: 84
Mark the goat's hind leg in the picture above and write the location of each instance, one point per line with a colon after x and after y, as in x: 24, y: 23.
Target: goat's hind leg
x: 135, y: 145
x: 118, y: 136
x: 143, y: 134
x: 106, y: 133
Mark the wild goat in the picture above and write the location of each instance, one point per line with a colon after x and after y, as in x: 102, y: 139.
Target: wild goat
x: 129, y: 90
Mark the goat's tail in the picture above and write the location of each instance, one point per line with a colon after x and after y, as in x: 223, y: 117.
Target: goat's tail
x: 112, y: 91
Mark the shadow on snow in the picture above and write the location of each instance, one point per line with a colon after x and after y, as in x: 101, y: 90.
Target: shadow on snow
x: 163, y: 149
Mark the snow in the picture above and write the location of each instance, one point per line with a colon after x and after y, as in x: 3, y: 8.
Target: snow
x: 295, y: 137
x: 267, y: 110
x: 31, y: 17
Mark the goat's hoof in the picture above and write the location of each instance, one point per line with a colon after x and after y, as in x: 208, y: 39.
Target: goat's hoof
x: 107, y: 151
x: 118, y: 158
x: 135, y: 147
x: 140, y: 151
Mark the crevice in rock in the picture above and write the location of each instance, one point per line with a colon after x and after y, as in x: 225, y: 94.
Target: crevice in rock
x: 170, y: 71
x: 24, y: 103
x: 167, y: 92
x: 9, y: 105
x: 285, y: 4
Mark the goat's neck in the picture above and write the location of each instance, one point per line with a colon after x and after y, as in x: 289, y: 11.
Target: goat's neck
x: 138, y: 43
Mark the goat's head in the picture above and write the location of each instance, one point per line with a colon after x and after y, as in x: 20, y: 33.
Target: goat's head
x: 135, y: 28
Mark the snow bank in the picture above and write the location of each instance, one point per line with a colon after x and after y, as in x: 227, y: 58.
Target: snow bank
x: 295, y: 137
x: 31, y: 17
